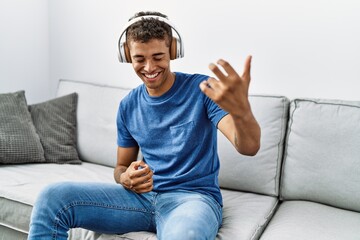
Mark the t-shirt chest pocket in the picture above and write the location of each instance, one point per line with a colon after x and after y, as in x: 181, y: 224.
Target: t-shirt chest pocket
x: 184, y: 134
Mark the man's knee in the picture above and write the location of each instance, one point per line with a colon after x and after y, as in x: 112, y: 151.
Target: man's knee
x: 56, y: 194
x: 177, y: 233
x: 186, y: 230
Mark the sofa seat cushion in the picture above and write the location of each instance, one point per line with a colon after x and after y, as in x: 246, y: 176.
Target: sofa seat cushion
x: 245, y: 214
x: 21, y: 184
x: 298, y: 220
x: 129, y: 236
x: 11, y: 234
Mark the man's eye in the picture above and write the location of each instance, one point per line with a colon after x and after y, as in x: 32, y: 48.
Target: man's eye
x: 158, y: 58
x: 139, y: 60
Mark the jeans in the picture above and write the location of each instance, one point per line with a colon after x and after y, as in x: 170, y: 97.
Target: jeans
x: 112, y: 209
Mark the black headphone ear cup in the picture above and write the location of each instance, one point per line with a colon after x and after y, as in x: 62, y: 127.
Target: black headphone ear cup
x: 173, y: 48
x: 127, y: 53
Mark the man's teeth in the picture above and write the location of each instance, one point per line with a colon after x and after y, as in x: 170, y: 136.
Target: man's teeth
x: 152, y: 75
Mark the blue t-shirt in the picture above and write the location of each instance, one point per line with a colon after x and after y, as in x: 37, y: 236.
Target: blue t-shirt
x: 177, y: 134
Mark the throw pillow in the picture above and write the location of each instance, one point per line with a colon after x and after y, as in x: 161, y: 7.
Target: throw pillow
x: 19, y: 142
x: 55, y: 122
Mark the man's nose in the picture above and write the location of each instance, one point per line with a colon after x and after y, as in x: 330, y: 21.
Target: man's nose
x: 149, y: 66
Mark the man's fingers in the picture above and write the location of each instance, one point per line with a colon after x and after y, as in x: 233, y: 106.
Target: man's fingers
x: 216, y: 70
x: 210, y: 87
x: 143, y: 183
x: 229, y: 89
x: 227, y: 67
x: 214, y: 84
x: 205, y: 88
x: 139, y: 169
x: 141, y: 180
x: 247, y: 67
x: 145, y: 187
x: 139, y: 163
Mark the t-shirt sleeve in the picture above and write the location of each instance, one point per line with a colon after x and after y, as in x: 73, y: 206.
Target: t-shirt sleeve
x: 124, y: 138
x: 214, y: 112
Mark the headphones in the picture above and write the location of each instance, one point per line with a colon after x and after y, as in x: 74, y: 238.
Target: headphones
x: 176, y: 47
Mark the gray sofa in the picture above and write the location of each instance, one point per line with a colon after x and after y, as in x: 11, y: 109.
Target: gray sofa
x: 303, y: 184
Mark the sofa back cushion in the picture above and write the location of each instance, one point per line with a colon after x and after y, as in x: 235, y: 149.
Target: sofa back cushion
x: 322, y: 157
x: 19, y: 142
x: 96, y: 119
x: 261, y: 173
x: 55, y: 123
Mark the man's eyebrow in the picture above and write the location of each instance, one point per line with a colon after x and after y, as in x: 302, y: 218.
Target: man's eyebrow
x: 138, y: 56
x: 158, y: 54
x: 154, y: 55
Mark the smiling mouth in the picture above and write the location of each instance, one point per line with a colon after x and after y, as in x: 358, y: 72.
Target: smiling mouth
x: 151, y: 76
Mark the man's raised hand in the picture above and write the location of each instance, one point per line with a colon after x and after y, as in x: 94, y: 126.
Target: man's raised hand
x: 230, y: 91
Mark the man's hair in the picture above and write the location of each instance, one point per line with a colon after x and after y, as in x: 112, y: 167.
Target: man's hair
x: 148, y: 29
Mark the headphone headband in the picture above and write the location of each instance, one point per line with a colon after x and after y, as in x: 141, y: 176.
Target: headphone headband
x: 122, y: 43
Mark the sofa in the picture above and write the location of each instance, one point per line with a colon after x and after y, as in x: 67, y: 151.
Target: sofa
x: 304, y: 183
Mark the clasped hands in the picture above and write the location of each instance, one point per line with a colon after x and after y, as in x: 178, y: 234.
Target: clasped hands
x: 138, y: 177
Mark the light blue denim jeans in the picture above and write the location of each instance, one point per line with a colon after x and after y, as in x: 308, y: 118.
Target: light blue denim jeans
x: 112, y: 209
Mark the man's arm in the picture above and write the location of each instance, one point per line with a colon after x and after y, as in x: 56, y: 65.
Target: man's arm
x: 244, y: 134
x: 231, y: 92
x: 132, y: 174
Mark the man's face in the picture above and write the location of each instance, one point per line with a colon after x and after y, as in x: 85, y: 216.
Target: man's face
x: 151, y: 62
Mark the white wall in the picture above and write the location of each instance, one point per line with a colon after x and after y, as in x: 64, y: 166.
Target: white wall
x: 307, y: 48
x: 24, y: 48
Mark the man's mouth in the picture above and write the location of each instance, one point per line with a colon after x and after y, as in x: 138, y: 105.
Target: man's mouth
x: 151, y: 76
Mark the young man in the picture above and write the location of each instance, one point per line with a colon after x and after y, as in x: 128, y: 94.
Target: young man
x: 173, y: 118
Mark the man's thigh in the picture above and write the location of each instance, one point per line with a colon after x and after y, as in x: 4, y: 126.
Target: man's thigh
x: 187, y: 215
x: 112, y: 208
x: 106, y: 208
